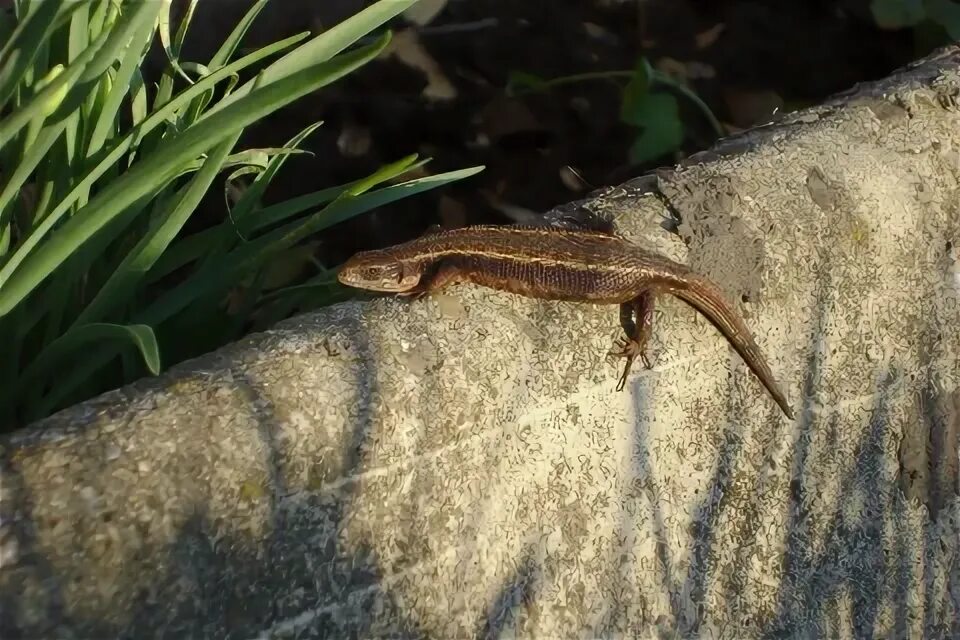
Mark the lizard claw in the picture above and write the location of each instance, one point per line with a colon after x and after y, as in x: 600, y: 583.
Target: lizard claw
x: 623, y: 377
x: 629, y: 349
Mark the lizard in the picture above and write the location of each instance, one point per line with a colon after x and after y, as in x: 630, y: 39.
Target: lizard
x: 562, y: 263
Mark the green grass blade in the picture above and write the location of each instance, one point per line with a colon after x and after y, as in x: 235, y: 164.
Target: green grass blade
x: 155, y: 170
x: 232, y: 41
x: 361, y: 204
x: 242, y: 223
x: 48, y: 100
x: 110, y: 159
x: 383, y: 174
x: 172, y: 46
x: 324, y: 46
x: 35, y: 153
x: 251, y: 197
x: 81, y: 75
x: 79, y: 33
x: 98, y: 17
x: 122, y: 83
x: 276, y: 213
x: 213, y: 280
x: 63, y: 348
x: 33, y: 29
x: 138, y: 262
x: 138, y: 98
x: 196, y: 245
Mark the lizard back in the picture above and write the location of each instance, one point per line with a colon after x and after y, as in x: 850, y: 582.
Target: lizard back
x: 543, y: 262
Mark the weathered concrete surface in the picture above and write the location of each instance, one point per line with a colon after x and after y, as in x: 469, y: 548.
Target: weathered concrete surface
x: 462, y: 466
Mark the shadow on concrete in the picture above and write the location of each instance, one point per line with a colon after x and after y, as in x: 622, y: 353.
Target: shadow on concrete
x: 298, y: 584
x: 293, y: 583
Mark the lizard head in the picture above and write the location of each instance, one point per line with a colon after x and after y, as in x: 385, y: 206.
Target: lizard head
x: 378, y: 271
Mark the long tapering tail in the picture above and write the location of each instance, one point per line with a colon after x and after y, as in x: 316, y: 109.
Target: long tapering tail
x: 704, y: 296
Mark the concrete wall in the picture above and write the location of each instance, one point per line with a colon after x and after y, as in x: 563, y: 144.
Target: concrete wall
x: 462, y: 465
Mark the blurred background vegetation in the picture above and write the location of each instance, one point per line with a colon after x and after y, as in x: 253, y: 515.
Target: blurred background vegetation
x: 175, y: 174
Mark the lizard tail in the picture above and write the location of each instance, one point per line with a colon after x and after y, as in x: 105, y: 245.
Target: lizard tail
x: 703, y: 296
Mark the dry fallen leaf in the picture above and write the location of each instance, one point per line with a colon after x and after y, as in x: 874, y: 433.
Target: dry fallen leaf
x: 354, y: 141
x: 504, y: 116
x: 684, y: 71
x: 597, y: 32
x: 706, y: 38
x: 572, y: 179
x: 407, y: 48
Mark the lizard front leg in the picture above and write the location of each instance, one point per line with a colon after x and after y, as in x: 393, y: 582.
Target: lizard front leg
x: 443, y: 275
x: 636, y: 318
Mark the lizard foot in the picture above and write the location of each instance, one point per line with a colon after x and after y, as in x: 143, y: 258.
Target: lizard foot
x: 630, y: 349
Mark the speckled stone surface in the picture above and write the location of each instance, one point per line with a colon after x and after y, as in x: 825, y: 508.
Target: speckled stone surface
x: 461, y: 466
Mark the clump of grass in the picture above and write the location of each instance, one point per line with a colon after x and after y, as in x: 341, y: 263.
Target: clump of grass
x: 99, y: 173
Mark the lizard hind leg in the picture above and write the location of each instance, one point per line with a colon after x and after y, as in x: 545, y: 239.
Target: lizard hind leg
x: 636, y: 318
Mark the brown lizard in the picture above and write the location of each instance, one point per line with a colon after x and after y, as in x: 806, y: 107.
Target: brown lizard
x: 579, y: 265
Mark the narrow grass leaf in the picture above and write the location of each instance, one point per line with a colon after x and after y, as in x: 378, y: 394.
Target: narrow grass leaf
x: 324, y: 46
x: 133, y: 138
x: 86, y: 76
x: 171, y: 47
x: 38, y: 106
x: 81, y: 74
x: 98, y: 18
x: 18, y: 53
x: 254, y: 192
x: 217, y: 277
x: 64, y: 349
x: 138, y: 98
x: 152, y: 172
x: 196, y: 245
x: 122, y: 83
x: 393, y: 193
x: 128, y: 274
x: 278, y: 212
x: 232, y: 41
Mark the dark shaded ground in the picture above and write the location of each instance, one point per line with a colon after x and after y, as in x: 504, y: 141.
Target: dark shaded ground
x: 744, y: 59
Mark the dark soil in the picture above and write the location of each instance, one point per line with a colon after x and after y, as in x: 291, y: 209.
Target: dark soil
x: 745, y: 59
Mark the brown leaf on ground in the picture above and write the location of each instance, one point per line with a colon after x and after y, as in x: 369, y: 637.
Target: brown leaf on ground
x: 505, y: 116
x: 354, y: 141
x: 572, y: 179
x: 407, y: 48
x: 706, y: 38
x: 685, y: 71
